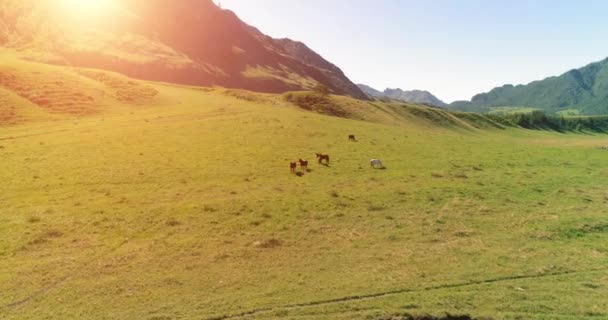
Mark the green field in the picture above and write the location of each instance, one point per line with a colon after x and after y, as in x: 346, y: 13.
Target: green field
x: 130, y: 200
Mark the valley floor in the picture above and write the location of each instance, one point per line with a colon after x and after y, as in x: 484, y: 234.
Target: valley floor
x: 185, y: 209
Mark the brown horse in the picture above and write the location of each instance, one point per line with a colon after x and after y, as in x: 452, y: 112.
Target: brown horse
x: 352, y: 138
x: 323, y: 157
x: 304, y: 164
x: 293, y: 166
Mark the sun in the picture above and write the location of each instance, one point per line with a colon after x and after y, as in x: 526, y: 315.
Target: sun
x: 88, y: 9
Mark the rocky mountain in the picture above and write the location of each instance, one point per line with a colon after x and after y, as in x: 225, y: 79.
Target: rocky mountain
x: 584, y: 90
x: 370, y: 91
x: 414, y: 96
x: 192, y: 42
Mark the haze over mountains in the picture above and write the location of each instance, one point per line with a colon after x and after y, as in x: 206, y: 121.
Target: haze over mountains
x: 188, y: 42
x: 414, y: 96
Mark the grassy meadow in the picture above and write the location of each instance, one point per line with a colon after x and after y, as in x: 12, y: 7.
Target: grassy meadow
x: 182, y: 206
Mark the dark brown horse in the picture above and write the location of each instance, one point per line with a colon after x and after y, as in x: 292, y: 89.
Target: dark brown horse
x: 303, y: 164
x: 293, y: 166
x: 352, y: 138
x: 323, y: 157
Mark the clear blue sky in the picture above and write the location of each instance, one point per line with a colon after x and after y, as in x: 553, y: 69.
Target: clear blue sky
x: 454, y: 48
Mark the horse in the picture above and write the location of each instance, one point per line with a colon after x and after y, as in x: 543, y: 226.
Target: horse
x: 322, y: 157
x: 375, y: 163
x: 352, y: 138
x: 304, y: 164
x: 293, y: 166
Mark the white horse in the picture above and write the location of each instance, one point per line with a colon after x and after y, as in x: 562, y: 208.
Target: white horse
x: 375, y: 163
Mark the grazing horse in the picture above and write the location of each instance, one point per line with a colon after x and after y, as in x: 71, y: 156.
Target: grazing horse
x: 304, y: 164
x: 293, y: 166
x: 352, y: 138
x: 323, y: 157
x: 375, y: 163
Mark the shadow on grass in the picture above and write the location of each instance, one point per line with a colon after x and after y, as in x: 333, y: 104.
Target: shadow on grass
x: 426, y: 317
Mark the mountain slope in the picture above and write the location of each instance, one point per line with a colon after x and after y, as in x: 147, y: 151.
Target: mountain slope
x: 414, y: 96
x: 152, y: 41
x: 584, y: 89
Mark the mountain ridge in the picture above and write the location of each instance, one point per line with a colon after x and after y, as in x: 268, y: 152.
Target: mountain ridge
x: 584, y: 89
x: 412, y: 96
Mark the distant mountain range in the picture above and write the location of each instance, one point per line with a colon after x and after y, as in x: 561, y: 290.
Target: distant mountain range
x: 414, y: 96
x: 188, y: 42
x: 583, y: 90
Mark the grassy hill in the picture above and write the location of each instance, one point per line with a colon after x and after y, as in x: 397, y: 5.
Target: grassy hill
x: 31, y: 91
x: 153, y: 201
x: 584, y: 91
x: 205, y: 46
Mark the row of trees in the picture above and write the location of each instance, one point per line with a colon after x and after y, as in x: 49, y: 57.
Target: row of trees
x: 540, y: 120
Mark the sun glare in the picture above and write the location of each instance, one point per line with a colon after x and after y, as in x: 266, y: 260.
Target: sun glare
x: 88, y: 9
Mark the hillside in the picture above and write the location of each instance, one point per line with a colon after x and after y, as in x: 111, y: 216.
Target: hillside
x: 414, y: 96
x: 33, y: 92
x: 583, y: 91
x: 37, y: 92
x: 205, y: 46
x: 180, y: 205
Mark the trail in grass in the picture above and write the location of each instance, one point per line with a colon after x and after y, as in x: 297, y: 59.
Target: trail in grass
x: 66, y: 278
x: 60, y: 281
x: 399, y: 291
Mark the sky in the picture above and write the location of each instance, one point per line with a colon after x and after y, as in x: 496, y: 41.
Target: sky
x: 453, y: 48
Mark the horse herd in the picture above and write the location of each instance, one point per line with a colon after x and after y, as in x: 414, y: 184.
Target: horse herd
x: 324, y: 160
